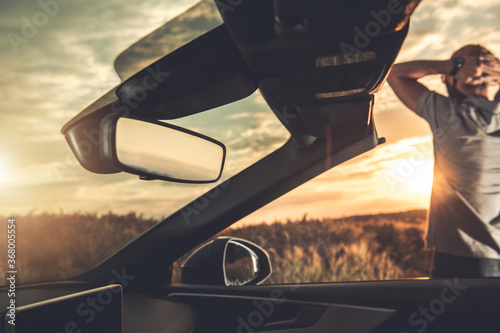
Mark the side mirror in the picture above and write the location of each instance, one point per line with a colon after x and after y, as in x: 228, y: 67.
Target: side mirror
x: 157, y: 150
x: 227, y: 261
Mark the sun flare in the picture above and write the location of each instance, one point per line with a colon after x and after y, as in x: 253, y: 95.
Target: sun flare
x: 3, y: 172
x: 412, y: 178
x: 420, y: 181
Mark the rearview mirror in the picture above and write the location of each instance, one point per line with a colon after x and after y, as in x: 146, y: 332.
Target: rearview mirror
x: 157, y: 150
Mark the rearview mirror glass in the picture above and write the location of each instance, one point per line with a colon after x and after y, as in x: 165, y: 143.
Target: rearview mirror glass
x: 157, y: 150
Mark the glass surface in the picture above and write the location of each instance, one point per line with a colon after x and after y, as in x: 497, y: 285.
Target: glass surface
x: 177, y: 32
x: 167, y: 152
x: 60, y: 208
x: 240, y: 264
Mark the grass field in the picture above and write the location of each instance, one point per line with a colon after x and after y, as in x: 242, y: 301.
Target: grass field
x: 370, y: 247
x: 57, y: 246
x: 374, y: 247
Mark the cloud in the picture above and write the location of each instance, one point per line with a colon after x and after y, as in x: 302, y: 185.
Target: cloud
x: 440, y: 27
x: 72, y: 54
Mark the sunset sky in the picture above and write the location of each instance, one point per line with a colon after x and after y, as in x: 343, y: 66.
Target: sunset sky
x: 62, y: 66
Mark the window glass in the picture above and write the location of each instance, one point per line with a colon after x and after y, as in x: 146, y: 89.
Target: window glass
x: 310, y: 236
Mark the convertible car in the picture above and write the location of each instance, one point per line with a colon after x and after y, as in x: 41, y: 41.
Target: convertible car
x: 316, y: 66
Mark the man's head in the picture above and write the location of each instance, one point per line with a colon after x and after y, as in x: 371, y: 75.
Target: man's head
x: 459, y: 86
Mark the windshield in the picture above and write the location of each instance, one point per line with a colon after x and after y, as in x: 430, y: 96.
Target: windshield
x: 60, y: 208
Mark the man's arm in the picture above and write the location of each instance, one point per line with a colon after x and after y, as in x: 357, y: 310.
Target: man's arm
x: 404, y: 77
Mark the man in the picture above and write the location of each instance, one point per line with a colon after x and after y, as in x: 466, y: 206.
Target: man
x: 464, y: 214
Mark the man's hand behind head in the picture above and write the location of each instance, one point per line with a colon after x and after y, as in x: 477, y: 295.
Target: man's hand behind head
x: 491, y: 68
x: 471, y: 74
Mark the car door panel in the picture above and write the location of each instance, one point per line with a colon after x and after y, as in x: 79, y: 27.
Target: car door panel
x: 278, y: 315
x: 141, y: 312
x: 431, y: 305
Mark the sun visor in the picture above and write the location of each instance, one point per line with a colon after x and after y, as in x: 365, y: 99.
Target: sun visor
x: 206, y: 73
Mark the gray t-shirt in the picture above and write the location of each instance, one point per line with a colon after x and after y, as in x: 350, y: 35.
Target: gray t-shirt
x: 464, y: 215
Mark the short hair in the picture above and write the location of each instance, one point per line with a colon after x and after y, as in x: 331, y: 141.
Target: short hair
x: 470, y: 50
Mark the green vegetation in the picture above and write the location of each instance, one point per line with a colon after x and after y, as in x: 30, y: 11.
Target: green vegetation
x: 374, y: 247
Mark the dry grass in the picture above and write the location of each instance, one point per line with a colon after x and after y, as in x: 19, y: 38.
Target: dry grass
x: 389, y: 246
x: 58, y: 246
x: 372, y: 247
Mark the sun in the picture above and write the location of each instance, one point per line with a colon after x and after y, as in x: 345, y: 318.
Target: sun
x: 3, y: 172
x: 411, y: 177
x: 420, y: 181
